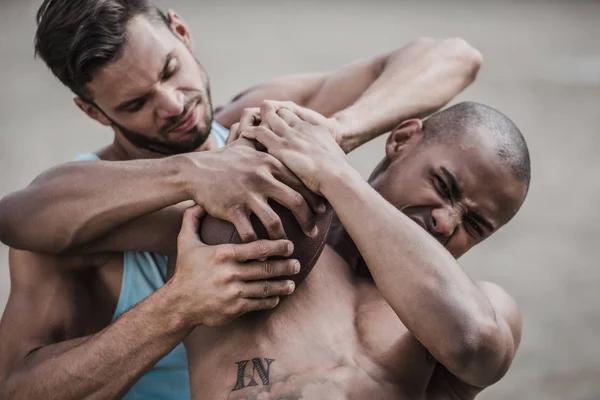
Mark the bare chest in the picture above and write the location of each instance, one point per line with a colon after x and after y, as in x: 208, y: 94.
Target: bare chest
x: 322, y: 343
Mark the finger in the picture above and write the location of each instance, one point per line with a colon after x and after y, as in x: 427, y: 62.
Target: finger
x: 250, y: 117
x: 240, y: 219
x: 263, y: 289
x: 260, y: 270
x: 269, y: 218
x: 310, y: 116
x: 289, y: 117
x: 234, y: 133
x: 276, y: 123
x: 260, y: 304
x: 287, y: 177
x: 268, y: 106
x: 190, y: 224
x: 263, y: 135
x: 262, y: 249
x: 297, y: 204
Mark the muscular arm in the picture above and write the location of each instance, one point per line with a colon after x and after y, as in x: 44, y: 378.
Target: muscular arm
x: 73, y: 203
x: 472, y: 333
x: 42, y: 353
x: 372, y: 96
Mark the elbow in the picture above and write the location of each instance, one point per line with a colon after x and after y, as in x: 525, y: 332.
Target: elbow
x: 457, y: 52
x: 480, y: 346
x: 467, y: 56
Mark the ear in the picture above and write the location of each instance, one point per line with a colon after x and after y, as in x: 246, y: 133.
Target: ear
x: 181, y: 29
x: 402, y: 137
x: 92, y: 111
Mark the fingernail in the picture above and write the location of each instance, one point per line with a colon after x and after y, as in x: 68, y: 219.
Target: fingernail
x: 296, y: 266
x: 291, y: 286
x: 321, y: 208
x: 314, y: 232
x: 290, y: 248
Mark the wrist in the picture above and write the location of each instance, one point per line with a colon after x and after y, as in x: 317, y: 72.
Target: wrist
x: 341, y: 174
x: 188, y: 167
x: 177, y: 314
x: 350, y: 132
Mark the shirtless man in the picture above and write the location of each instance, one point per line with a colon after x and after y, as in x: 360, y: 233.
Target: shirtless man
x: 81, y: 343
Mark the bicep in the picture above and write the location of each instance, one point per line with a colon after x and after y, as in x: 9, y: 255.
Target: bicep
x: 42, y: 308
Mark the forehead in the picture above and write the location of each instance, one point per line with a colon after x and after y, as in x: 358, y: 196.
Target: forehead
x: 142, y: 59
x: 487, y: 185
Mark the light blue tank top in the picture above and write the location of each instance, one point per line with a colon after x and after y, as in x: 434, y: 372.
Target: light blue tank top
x: 144, y: 273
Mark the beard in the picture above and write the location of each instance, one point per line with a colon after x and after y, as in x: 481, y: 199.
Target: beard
x: 166, y: 146
x: 162, y: 145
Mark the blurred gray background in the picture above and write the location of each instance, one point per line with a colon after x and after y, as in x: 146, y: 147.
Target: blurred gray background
x: 542, y: 68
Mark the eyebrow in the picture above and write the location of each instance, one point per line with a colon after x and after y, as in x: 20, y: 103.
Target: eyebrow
x: 127, y: 103
x: 457, y: 194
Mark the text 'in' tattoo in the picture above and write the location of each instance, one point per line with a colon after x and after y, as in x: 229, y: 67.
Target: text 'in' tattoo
x: 258, y: 367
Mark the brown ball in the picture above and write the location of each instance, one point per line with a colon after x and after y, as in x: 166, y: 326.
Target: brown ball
x: 214, y: 231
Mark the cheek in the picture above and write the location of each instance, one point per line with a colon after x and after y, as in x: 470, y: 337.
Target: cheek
x: 141, y: 122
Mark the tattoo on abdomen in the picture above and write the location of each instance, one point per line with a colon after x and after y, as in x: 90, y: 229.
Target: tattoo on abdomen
x: 258, y: 368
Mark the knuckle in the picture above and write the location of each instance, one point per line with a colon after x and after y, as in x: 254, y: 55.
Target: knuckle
x: 237, y: 211
x: 267, y: 288
x: 232, y: 275
x: 268, y: 268
x: 296, y: 200
x: 238, y: 292
x: 223, y: 253
x: 262, y: 249
x: 273, y: 222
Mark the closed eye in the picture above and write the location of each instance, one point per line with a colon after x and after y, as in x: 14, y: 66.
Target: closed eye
x: 135, y: 106
x: 473, y: 226
x: 171, y: 70
x: 443, y: 188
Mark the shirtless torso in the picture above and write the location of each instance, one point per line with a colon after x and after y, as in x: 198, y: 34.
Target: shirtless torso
x: 335, y: 338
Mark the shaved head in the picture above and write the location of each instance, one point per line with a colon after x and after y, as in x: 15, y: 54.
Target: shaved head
x: 448, y: 125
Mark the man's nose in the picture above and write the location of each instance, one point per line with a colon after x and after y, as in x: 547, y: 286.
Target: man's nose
x: 444, y: 221
x: 171, y: 103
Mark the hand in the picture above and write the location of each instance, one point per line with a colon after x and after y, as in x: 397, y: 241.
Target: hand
x: 308, y: 150
x: 216, y: 284
x: 252, y: 117
x: 236, y: 181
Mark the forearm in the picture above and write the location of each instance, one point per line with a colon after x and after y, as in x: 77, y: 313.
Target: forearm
x: 413, y: 82
x: 104, y: 365
x: 421, y: 281
x: 80, y: 201
x: 299, y: 89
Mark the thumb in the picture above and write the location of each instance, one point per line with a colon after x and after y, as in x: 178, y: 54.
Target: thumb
x: 190, y: 225
x: 234, y: 132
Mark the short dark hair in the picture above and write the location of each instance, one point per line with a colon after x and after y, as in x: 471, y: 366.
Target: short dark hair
x: 449, y: 124
x: 76, y: 38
